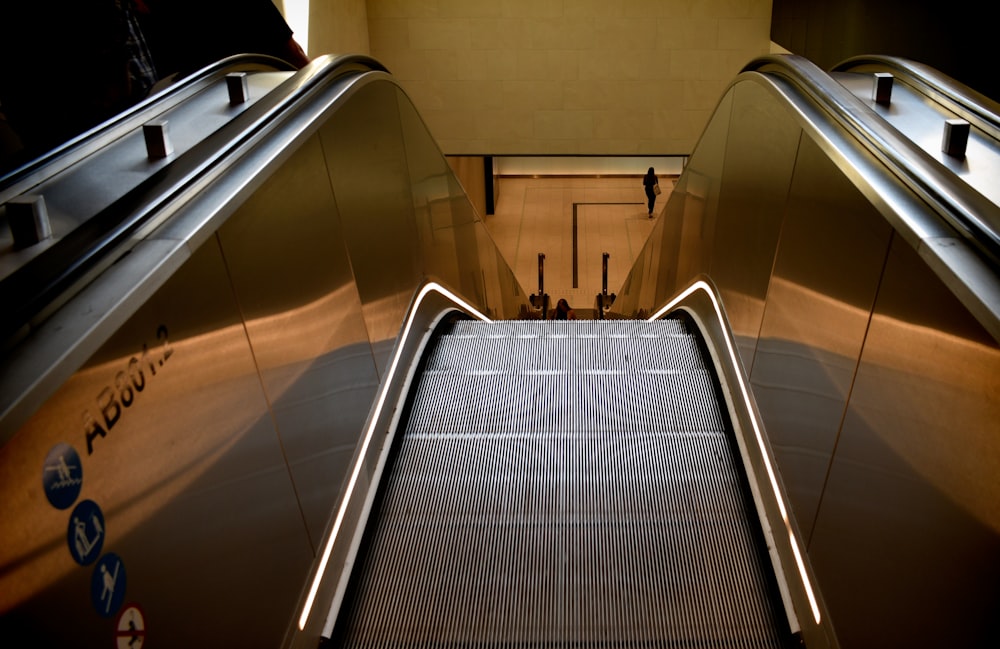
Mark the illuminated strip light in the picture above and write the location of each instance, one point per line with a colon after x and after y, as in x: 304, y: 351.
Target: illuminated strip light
x: 328, y: 549
x: 702, y: 285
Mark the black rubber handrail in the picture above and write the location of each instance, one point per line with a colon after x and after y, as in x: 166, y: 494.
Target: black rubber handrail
x: 979, y: 110
x: 27, y: 291
x: 972, y: 215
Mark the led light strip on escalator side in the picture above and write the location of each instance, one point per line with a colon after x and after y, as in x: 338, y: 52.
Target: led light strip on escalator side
x: 701, y: 285
x: 369, y: 434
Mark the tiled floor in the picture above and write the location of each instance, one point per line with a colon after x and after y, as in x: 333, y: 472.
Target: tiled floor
x: 536, y: 215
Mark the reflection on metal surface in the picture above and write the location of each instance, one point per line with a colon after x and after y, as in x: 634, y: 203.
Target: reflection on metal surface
x: 296, y: 291
x: 836, y: 276
x: 802, y: 372
x: 869, y: 334
x: 269, y: 278
x: 943, y: 409
x: 801, y: 379
x: 758, y: 434
x: 155, y: 385
x: 366, y: 438
x: 751, y: 196
x: 910, y: 504
x: 926, y: 99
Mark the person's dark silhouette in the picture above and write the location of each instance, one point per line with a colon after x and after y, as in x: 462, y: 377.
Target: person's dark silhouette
x: 67, y: 66
x: 650, y: 182
x: 563, y: 311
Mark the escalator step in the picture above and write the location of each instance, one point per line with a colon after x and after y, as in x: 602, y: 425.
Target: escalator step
x: 564, y: 484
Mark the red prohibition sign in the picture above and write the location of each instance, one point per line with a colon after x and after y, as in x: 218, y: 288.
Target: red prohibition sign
x: 130, y: 630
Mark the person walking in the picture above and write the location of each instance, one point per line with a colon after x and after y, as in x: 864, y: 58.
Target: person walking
x: 652, y: 186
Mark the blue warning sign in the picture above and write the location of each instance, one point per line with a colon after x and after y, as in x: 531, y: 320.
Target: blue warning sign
x: 107, y: 584
x: 62, y: 475
x: 85, y: 535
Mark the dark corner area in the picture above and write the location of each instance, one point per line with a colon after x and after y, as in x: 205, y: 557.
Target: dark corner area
x: 956, y: 39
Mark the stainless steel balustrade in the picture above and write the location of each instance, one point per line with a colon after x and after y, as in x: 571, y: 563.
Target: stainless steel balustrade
x: 866, y: 323
x: 922, y: 103
x: 99, y: 186
x: 965, y: 102
x: 968, y: 212
x: 230, y: 386
x: 74, y: 151
x: 213, y: 383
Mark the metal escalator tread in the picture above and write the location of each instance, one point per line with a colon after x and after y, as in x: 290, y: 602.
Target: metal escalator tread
x: 563, y: 484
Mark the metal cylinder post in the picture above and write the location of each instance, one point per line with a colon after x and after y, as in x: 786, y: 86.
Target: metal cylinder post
x: 604, y: 274
x: 541, y: 273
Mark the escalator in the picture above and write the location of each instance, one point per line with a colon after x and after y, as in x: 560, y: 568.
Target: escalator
x: 225, y: 429
x: 564, y: 484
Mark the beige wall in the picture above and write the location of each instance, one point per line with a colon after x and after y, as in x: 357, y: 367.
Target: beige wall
x: 338, y: 27
x: 470, y: 172
x: 566, y: 76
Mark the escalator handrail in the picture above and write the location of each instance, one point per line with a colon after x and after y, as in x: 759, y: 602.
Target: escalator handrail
x: 45, y: 280
x: 33, y: 172
x: 967, y: 211
x: 979, y: 110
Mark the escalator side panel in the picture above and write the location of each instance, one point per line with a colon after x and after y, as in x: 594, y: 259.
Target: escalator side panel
x: 802, y: 377
x: 453, y: 243
x: 409, y: 216
x: 175, y: 446
x: 302, y: 312
x: 761, y: 152
x: 680, y: 245
x: 368, y: 171
x: 910, y: 508
x: 873, y: 371
x: 219, y: 480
